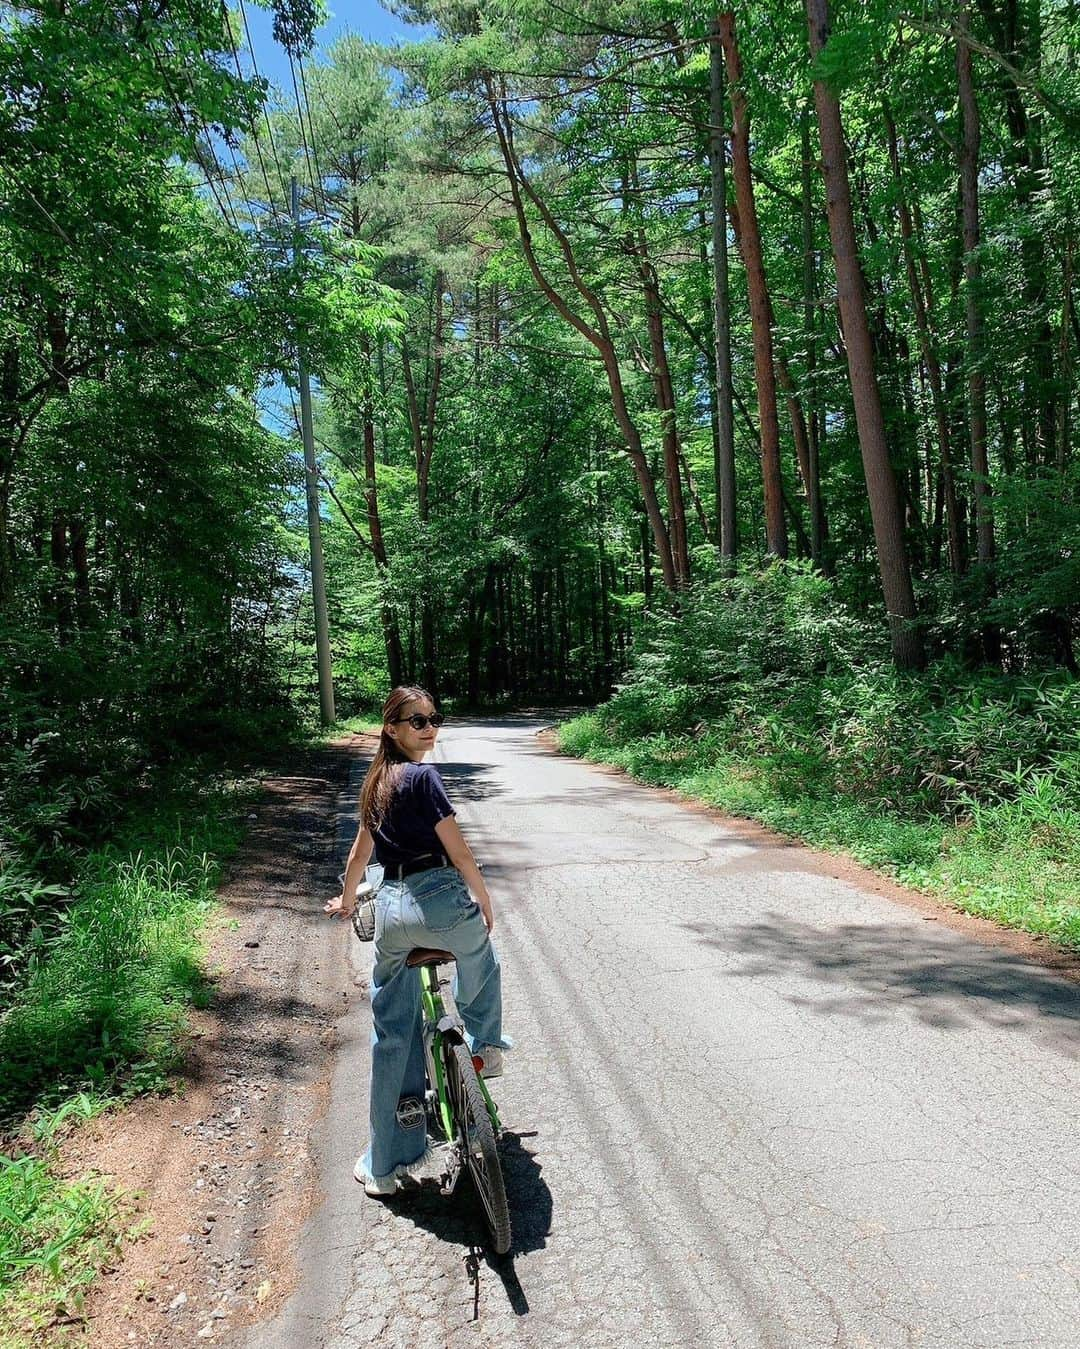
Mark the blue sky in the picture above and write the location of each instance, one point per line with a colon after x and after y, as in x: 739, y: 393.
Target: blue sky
x: 365, y: 17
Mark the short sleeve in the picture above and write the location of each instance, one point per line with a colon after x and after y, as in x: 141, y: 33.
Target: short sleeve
x: 432, y: 802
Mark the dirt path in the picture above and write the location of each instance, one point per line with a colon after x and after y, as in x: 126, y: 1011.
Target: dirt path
x: 223, y: 1172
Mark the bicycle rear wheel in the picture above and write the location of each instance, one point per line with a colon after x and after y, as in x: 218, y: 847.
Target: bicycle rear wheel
x: 476, y: 1136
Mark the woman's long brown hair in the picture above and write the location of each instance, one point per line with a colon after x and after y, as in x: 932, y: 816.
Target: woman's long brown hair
x: 384, y: 775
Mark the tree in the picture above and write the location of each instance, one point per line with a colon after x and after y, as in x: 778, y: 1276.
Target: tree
x: 760, y: 305
x: 881, y: 483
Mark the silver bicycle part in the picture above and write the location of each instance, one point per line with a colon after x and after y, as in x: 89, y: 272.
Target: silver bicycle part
x: 411, y: 1112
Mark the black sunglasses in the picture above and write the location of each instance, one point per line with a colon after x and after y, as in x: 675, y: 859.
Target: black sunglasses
x: 418, y: 723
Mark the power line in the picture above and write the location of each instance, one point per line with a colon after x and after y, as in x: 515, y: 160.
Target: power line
x: 208, y: 139
x: 255, y: 69
x: 252, y: 124
x: 183, y: 118
x: 303, y: 131
x: 311, y: 128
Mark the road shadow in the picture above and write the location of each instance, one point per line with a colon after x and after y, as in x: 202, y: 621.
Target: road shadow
x: 469, y: 781
x: 941, y: 979
x: 535, y: 718
x: 241, y: 1013
x: 458, y: 1219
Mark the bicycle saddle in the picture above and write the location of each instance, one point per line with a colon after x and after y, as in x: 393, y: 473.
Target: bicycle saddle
x: 426, y: 955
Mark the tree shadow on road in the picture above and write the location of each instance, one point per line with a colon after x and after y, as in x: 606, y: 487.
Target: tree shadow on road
x: 458, y: 1219
x: 943, y: 980
x: 469, y: 781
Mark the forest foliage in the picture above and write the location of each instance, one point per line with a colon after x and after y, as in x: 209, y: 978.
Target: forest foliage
x: 716, y: 366
x: 726, y: 359
x: 738, y: 372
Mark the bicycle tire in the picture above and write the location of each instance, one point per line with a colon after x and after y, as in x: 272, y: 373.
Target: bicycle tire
x: 477, y: 1140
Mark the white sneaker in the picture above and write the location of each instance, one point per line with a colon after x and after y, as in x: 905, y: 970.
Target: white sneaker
x: 493, y: 1060
x: 430, y: 1165
x: 376, y: 1188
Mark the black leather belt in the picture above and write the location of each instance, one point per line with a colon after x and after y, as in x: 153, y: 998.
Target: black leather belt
x: 397, y: 871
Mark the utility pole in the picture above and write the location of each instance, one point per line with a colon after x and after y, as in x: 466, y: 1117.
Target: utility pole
x: 311, y: 481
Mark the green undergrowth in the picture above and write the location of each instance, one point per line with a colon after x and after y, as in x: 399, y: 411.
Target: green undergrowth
x: 97, y: 1017
x: 56, y: 1233
x: 365, y: 724
x: 1015, y: 861
x: 102, y: 1007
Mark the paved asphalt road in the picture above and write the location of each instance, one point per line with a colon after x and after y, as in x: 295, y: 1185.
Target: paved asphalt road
x: 751, y: 1104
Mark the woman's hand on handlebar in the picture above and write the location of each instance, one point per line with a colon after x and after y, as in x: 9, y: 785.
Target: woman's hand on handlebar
x: 359, y: 856
x: 337, y: 907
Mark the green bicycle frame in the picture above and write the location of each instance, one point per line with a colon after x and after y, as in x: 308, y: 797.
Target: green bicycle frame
x: 434, y: 1011
x: 433, y: 1014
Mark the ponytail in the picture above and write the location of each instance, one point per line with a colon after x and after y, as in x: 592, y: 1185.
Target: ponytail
x: 384, y: 776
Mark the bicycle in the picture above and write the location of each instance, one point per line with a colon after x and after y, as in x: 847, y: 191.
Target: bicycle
x: 457, y: 1105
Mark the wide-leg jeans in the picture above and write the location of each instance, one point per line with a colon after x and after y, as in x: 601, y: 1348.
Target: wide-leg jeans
x: 429, y: 908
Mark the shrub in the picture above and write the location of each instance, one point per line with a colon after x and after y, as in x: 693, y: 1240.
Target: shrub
x: 775, y: 668
x: 105, y: 1008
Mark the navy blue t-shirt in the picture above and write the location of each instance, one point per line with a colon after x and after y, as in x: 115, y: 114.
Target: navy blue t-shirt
x: 407, y: 832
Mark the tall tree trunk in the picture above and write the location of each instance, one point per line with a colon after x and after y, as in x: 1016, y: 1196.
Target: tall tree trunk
x: 488, y: 603
x: 663, y: 393
x: 923, y: 307
x: 60, y: 593
x: 564, y: 628
x: 819, y: 531
x: 608, y: 669
x: 1065, y: 363
x: 726, y: 517
x: 776, y: 541
x: 422, y: 428
x: 976, y: 384
x: 1022, y: 47
x: 9, y: 430
x: 435, y: 370
x: 800, y: 434
x: 80, y: 564
x: 538, y: 662
x: 6, y: 570
x: 881, y: 485
x: 646, y: 565
x: 391, y: 635
x: 473, y: 649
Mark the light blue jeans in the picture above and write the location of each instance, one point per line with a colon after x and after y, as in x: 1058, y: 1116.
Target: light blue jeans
x: 429, y: 908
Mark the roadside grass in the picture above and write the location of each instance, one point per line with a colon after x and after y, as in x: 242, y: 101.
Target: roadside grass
x: 104, y: 1008
x: 55, y: 1234
x: 365, y: 724
x: 99, y: 1019
x: 1015, y: 862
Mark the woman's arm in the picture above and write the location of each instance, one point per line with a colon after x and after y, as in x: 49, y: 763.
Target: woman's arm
x: 460, y: 854
x: 341, y: 906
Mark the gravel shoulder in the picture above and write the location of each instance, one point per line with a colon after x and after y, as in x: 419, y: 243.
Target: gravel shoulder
x: 221, y: 1174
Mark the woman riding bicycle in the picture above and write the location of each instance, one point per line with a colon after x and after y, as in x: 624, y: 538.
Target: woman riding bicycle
x: 407, y: 820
